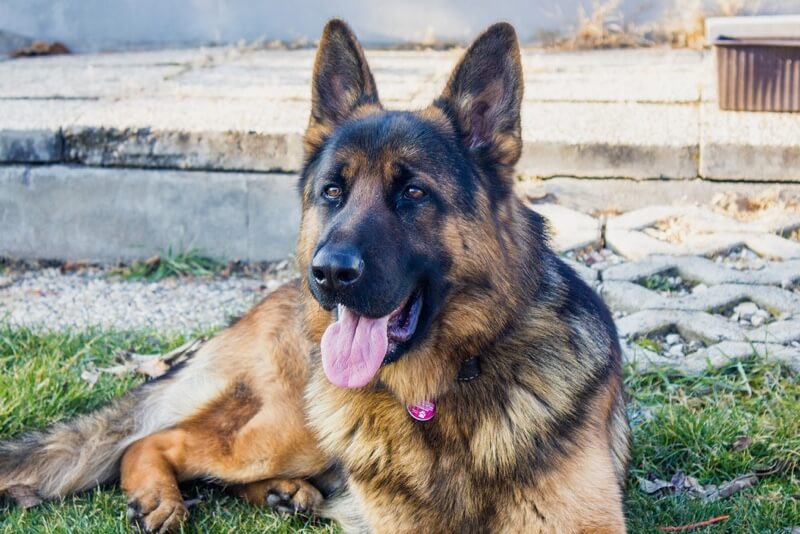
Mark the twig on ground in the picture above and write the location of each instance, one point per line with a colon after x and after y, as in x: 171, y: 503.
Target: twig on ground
x: 692, y: 526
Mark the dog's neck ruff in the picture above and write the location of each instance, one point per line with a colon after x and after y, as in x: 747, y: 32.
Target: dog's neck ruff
x: 426, y: 410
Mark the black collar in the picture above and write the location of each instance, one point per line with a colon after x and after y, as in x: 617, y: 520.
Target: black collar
x: 469, y: 370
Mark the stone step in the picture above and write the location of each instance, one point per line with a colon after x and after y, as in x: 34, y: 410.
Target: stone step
x: 78, y: 212
x: 74, y: 212
x: 630, y: 114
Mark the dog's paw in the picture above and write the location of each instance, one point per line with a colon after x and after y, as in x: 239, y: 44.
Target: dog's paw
x: 290, y: 496
x: 157, y: 512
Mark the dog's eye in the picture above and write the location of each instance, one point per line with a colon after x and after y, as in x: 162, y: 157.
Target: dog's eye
x: 332, y: 192
x: 414, y: 193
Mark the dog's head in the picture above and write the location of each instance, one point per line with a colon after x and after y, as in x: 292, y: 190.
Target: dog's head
x: 406, y: 214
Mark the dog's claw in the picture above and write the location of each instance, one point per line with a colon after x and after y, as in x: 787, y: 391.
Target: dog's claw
x: 157, y: 515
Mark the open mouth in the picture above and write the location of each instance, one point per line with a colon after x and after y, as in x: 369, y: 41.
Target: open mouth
x: 403, y: 321
x: 355, y: 346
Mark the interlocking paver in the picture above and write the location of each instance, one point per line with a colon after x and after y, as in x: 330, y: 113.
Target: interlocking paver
x: 569, y: 229
x: 697, y: 316
x: 699, y: 232
x: 691, y: 324
x: 628, y: 296
x: 715, y: 356
x: 706, y: 271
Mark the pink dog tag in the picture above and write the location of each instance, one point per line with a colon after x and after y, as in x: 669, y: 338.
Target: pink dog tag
x: 424, y: 411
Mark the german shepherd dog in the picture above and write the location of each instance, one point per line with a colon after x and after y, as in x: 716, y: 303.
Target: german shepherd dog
x: 437, y: 368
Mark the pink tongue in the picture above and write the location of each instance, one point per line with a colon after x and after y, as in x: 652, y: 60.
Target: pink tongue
x: 353, y: 348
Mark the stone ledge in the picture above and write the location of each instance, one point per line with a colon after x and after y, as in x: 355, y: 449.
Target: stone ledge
x: 68, y: 212
x: 737, y: 145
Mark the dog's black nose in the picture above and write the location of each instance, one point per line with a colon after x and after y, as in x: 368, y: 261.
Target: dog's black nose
x: 335, y: 269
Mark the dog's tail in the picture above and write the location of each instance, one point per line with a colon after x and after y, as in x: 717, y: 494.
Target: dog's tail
x: 81, y: 453
x: 71, y: 456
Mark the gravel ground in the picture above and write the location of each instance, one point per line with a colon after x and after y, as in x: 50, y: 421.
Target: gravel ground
x: 47, y: 299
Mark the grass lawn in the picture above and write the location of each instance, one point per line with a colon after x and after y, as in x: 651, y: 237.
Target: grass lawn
x: 679, y: 423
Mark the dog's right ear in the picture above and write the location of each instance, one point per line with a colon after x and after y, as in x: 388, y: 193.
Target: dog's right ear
x: 342, y: 81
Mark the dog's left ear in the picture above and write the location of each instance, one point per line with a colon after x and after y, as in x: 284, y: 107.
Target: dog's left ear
x: 342, y: 81
x: 484, y: 95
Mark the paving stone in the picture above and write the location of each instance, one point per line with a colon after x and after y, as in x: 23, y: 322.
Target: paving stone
x: 753, y: 294
x: 729, y: 351
x: 630, y: 297
x: 588, y: 274
x: 783, y: 332
x: 690, y: 324
x: 610, y: 197
x: 569, y: 229
x: 706, y: 271
x: 715, y: 356
x: 704, y: 233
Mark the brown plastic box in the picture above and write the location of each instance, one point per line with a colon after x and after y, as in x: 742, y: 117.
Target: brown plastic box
x: 758, y: 74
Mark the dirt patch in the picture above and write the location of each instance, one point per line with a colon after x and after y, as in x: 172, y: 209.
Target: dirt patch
x: 671, y: 230
x: 668, y: 343
x: 747, y: 208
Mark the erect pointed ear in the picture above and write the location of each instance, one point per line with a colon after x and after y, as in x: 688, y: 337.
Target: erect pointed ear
x: 484, y: 95
x: 341, y: 81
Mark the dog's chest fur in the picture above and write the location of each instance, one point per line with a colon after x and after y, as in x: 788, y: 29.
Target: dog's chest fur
x: 458, y: 472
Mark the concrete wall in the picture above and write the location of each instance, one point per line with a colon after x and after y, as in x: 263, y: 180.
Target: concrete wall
x: 91, y: 25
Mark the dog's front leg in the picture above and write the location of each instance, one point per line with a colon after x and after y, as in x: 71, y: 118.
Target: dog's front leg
x: 148, y: 475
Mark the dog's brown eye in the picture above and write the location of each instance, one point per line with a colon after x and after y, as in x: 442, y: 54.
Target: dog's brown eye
x: 413, y: 193
x: 332, y: 191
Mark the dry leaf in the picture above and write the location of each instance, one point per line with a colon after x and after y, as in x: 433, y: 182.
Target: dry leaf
x: 734, y: 486
x: 90, y: 376
x: 681, y: 483
x: 41, y: 48
x: 150, y: 365
x: 777, y: 467
x: 653, y: 486
x: 741, y: 443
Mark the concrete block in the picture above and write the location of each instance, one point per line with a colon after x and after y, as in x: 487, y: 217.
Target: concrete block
x: 273, y: 215
x: 190, y: 134
x: 739, y: 145
x: 609, y: 140
x: 111, y: 214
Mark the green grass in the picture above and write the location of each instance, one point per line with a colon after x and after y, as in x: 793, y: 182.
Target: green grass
x: 647, y: 343
x: 678, y: 423
x: 170, y: 264
x: 663, y: 283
